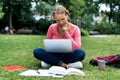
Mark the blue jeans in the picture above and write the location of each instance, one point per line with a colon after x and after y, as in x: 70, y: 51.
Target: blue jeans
x: 58, y: 58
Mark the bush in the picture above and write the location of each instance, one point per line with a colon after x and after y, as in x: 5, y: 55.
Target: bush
x: 41, y: 26
x: 84, y: 32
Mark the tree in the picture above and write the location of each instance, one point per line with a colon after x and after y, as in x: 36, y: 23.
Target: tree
x: 114, y: 13
x: 91, y: 7
x: 1, y: 13
x: 43, y: 8
x: 77, y: 8
x: 19, y: 9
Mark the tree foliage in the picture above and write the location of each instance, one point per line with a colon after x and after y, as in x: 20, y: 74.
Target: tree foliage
x: 43, y: 8
x: 114, y: 12
x: 65, y: 3
x: 17, y: 13
x: 77, y: 8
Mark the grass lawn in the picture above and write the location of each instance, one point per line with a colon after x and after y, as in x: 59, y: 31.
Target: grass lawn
x: 17, y: 50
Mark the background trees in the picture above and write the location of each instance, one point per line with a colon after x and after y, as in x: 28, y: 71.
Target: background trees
x: 17, y: 13
x: 114, y: 11
x: 104, y: 21
x: 84, y: 13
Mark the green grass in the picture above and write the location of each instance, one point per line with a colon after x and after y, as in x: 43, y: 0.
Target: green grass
x: 18, y: 50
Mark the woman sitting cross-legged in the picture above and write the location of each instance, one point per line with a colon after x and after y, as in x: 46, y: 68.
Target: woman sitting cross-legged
x: 62, y: 29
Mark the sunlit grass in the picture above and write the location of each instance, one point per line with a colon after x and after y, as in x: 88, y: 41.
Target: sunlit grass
x: 18, y: 50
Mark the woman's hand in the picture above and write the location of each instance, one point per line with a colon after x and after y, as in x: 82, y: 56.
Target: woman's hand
x: 64, y: 29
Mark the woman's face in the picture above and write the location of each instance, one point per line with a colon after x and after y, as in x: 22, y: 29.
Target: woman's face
x: 61, y: 19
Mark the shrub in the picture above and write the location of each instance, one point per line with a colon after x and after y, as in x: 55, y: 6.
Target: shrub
x: 84, y: 32
x: 41, y: 26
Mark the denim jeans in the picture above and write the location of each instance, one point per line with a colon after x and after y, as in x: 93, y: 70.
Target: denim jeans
x: 58, y: 58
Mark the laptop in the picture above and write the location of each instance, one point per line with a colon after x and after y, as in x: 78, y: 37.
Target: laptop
x: 58, y: 45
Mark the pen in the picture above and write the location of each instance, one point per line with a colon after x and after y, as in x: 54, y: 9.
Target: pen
x: 38, y: 72
x: 59, y: 74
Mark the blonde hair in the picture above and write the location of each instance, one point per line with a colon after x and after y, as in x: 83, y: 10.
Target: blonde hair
x: 59, y: 9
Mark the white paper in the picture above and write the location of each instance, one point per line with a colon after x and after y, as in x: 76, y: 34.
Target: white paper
x: 54, y: 71
x: 35, y: 73
x: 40, y: 72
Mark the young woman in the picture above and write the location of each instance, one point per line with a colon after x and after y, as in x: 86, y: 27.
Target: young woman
x: 62, y: 29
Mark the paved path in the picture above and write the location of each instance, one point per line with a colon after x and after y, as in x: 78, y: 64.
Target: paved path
x: 98, y: 36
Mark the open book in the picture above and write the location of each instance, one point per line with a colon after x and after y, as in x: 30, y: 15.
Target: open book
x: 54, y: 71
x: 62, y: 71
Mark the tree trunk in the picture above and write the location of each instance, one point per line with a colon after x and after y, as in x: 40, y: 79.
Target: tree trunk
x: 10, y: 22
x: 110, y: 14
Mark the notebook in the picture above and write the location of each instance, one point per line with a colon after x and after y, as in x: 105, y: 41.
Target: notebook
x: 58, y: 45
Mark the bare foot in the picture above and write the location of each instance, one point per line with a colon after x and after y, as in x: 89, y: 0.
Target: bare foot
x: 64, y: 65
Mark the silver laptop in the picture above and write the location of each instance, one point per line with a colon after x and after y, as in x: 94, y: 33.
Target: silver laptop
x: 58, y: 45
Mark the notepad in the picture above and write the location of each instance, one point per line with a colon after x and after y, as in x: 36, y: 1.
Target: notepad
x: 13, y: 67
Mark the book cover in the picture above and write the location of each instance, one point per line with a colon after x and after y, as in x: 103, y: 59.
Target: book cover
x: 13, y: 67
